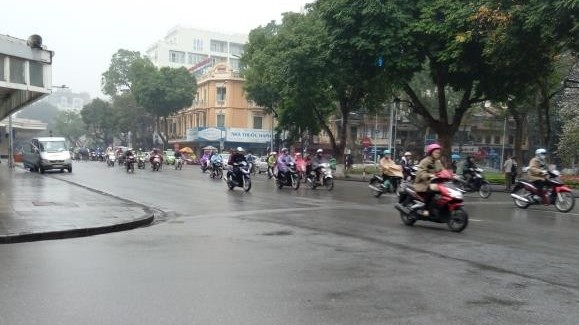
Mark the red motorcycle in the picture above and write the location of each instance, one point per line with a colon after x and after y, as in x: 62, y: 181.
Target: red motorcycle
x: 554, y: 192
x: 156, y: 162
x: 446, y: 206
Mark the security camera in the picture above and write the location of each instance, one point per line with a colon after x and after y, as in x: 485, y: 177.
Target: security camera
x: 34, y: 41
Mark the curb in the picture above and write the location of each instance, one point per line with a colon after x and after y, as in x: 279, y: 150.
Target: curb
x: 75, y: 233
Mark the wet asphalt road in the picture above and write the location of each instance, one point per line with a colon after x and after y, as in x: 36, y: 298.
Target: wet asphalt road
x: 293, y: 257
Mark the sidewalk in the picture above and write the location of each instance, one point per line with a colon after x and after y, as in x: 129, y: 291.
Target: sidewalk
x: 38, y: 207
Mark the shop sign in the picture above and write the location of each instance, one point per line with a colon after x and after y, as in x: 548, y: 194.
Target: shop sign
x: 248, y: 135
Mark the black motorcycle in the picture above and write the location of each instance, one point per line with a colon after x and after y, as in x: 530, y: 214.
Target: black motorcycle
x: 476, y: 183
x: 239, y: 176
x: 130, y: 164
x: 289, y: 178
x: 380, y: 184
x: 216, y: 170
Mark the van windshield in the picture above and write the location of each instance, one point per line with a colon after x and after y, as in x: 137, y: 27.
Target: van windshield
x: 52, y: 146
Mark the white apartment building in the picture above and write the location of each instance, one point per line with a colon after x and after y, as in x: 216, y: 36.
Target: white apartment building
x: 196, y: 49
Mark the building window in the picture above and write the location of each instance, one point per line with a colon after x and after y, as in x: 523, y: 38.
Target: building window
x: 218, y: 46
x: 511, y: 139
x: 193, y: 58
x: 17, y: 71
x: 2, y: 77
x: 235, y: 49
x: 234, y: 64
x: 221, y: 93
x: 497, y: 139
x: 488, y: 139
x: 177, y: 57
x: 220, y: 120
x: 258, y: 122
x: 36, y: 74
x: 197, y: 45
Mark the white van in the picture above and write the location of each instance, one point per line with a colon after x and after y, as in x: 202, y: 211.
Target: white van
x: 47, y: 153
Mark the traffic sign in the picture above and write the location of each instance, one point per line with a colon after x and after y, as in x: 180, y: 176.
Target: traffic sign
x: 366, y: 142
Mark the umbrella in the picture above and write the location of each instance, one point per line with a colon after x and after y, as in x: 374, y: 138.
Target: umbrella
x: 209, y: 148
x: 186, y: 150
x: 455, y: 156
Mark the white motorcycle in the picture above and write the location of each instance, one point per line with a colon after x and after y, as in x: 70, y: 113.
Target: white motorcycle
x: 111, y: 159
x: 326, y: 177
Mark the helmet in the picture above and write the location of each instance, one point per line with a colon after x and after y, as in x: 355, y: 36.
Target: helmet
x: 274, y: 153
x: 283, y: 149
x: 540, y: 151
x: 408, y: 153
x: 386, y: 152
x: 298, y: 154
x: 431, y: 147
x: 319, y: 151
x: 240, y: 149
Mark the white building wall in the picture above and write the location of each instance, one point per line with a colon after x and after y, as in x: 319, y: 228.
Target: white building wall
x: 186, y: 41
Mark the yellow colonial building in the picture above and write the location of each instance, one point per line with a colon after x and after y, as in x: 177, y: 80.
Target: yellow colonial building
x: 221, y: 116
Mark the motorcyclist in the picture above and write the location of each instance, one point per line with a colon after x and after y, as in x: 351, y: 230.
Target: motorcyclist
x: 236, y: 157
x: 538, y: 170
x: 407, y: 164
x: 205, y: 160
x: 389, y: 168
x: 271, y: 161
x: 468, y: 169
x: 154, y: 152
x: 251, y: 160
x: 317, y: 161
x: 283, y: 162
x: 427, y: 169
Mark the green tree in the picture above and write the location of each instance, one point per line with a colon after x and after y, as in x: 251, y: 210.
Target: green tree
x: 69, y: 124
x: 118, y: 78
x: 99, y: 118
x: 162, y: 92
x: 130, y: 116
x: 41, y: 111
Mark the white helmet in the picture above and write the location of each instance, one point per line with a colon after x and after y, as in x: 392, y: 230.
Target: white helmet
x: 540, y: 153
x: 283, y: 149
x: 319, y: 151
x: 408, y: 153
x: 240, y: 149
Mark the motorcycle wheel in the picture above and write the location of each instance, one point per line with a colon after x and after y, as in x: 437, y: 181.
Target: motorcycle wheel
x: 407, y: 220
x: 230, y: 186
x: 375, y: 183
x: 564, y: 201
x: 279, y: 183
x: 485, y: 190
x: 295, y: 182
x: 246, y: 184
x: 219, y: 174
x: 329, y: 184
x: 458, y: 220
x: 524, y: 193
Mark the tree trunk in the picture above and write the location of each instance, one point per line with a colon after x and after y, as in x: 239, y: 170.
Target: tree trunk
x: 519, y: 127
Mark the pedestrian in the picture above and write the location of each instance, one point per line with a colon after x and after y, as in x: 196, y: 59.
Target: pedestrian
x: 508, y: 170
x: 514, y: 170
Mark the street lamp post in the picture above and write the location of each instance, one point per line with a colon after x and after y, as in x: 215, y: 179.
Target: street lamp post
x: 10, y: 143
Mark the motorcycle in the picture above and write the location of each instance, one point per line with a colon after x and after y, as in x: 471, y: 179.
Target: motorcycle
x: 130, y: 163
x: 391, y: 183
x: 178, y: 163
x: 100, y: 156
x: 380, y: 185
x: 239, y: 176
x: 216, y: 170
x: 141, y: 162
x: 156, y: 163
x: 476, y: 183
x: 289, y: 178
x: 555, y: 192
x: 446, y: 206
x: 204, y: 165
x: 327, y: 179
x: 111, y: 160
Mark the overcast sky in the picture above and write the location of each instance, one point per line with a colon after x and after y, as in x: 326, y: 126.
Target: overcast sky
x: 85, y: 34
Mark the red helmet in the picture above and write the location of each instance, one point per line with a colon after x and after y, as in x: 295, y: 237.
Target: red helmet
x: 432, y: 147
